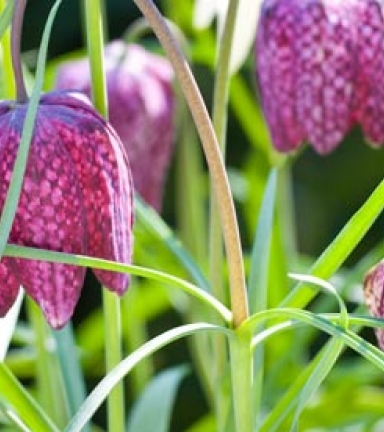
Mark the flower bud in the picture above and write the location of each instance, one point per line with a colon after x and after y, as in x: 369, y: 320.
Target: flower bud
x: 374, y: 296
x: 140, y: 97
x: 76, y: 197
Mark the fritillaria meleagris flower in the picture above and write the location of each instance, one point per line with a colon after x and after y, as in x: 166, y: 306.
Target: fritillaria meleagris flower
x: 76, y: 197
x: 320, y: 67
x: 374, y: 296
x: 139, y: 86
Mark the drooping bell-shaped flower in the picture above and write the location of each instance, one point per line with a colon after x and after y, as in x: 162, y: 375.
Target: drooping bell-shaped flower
x: 319, y: 69
x: 76, y: 197
x: 139, y: 86
x: 374, y: 296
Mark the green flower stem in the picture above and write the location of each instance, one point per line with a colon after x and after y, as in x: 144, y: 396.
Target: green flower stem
x: 26, y: 407
x: 214, y: 159
x: 241, y: 360
x: 9, y: 88
x: 16, y: 31
x: 94, y: 10
x: 84, y: 261
x: 135, y: 335
x: 286, y: 210
x: 193, y: 231
x: 190, y: 197
x: 113, y: 356
x: 219, y: 120
x: 341, y: 247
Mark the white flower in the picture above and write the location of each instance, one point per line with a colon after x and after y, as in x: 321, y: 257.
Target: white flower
x: 245, y: 29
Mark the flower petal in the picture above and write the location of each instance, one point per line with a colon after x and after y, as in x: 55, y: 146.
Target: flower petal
x: 9, y: 285
x: 55, y: 288
x: 277, y: 72
x: 326, y: 71
x: 374, y: 296
x: 104, y: 178
x: 370, y: 84
x: 145, y: 125
x: 9, y: 278
x: 141, y: 107
x: 205, y: 11
x: 50, y: 215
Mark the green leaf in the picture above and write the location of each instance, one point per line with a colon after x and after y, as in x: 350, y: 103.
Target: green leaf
x: 70, y: 367
x: 157, y: 227
x: 14, y: 191
x: 328, y: 288
x: 26, y: 408
x: 84, y: 261
x: 31, y: 414
x: 101, y: 391
x: 274, y: 419
x: 257, y: 282
x: 152, y: 412
x: 341, y: 247
x: 325, y: 323
x: 258, y: 278
x: 282, y: 409
x: 328, y: 358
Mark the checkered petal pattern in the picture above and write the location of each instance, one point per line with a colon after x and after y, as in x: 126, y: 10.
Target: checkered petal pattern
x: 76, y: 197
x: 141, y: 107
x: 320, y: 70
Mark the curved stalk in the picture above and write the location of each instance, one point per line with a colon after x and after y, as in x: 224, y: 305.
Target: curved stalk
x: 213, y: 155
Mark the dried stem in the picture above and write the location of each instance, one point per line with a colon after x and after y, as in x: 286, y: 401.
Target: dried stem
x: 213, y: 155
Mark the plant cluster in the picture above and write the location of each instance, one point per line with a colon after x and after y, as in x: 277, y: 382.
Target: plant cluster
x: 101, y: 166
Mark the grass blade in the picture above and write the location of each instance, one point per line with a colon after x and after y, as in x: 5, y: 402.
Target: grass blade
x: 99, y: 394
x: 157, y: 399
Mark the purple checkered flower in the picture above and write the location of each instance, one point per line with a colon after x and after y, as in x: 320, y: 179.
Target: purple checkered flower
x: 374, y: 296
x: 140, y: 96
x: 76, y: 197
x: 320, y: 69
